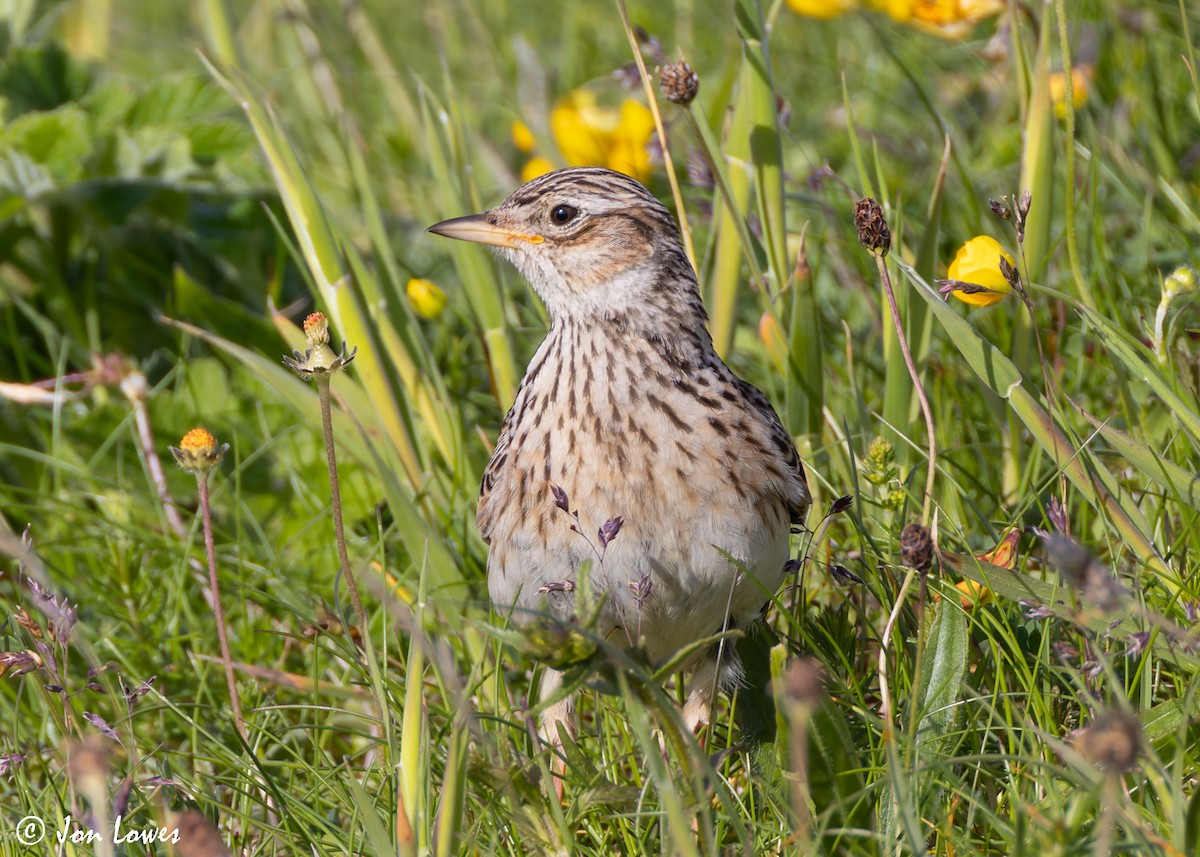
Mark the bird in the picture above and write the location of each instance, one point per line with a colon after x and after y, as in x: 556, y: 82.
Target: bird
x: 628, y: 420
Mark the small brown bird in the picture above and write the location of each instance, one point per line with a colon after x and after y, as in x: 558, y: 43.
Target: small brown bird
x: 628, y: 418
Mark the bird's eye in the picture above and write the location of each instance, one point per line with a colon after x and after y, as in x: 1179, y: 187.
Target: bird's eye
x: 561, y: 214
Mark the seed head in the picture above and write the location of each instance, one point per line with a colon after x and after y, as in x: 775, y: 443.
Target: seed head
x: 916, y: 546
x: 609, y: 531
x: 198, y: 451
x: 1112, y: 741
x: 1000, y: 208
x: 679, y: 83
x: 1084, y: 572
x: 804, y: 682
x: 873, y: 232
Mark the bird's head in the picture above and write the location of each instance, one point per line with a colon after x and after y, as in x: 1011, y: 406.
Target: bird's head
x: 590, y: 241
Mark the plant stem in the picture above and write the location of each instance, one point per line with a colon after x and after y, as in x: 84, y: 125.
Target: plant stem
x: 336, y: 498
x: 218, y: 611
x: 648, y: 88
x: 885, y: 695
x: 902, y: 340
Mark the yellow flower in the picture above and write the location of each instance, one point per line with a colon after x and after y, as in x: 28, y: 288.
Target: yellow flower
x: 536, y: 166
x: 951, y: 19
x: 590, y: 135
x: 522, y: 137
x: 198, y: 451
x: 1058, y: 90
x: 822, y: 9
x: 974, y: 276
x: 426, y: 298
x: 1182, y: 281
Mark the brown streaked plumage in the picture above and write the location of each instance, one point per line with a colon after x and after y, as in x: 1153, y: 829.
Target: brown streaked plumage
x: 628, y: 409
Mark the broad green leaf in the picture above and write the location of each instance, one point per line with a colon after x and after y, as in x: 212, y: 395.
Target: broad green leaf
x: 943, y: 666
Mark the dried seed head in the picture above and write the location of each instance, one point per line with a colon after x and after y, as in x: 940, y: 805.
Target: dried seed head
x: 1057, y: 513
x: 198, y: 451
x: 679, y: 83
x: 916, y: 546
x: 88, y: 764
x: 873, y: 232
x: 609, y: 530
x: 641, y: 589
x: 843, y: 576
x: 804, y: 682
x: 1137, y: 644
x: 1084, y: 573
x: 197, y: 836
x: 1112, y: 741
x: 560, y: 498
x: 1024, y: 204
x: 1000, y: 208
x: 1011, y: 275
x: 1022, y: 214
x: 841, y: 504
x: 18, y: 663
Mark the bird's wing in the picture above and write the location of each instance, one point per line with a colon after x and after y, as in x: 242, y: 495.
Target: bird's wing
x: 492, y: 474
x: 797, y: 495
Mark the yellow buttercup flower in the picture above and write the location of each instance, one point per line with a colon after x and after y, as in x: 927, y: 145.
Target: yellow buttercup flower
x: 951, y: 19
x: 534, y: 167
x: 974, y: 277
x: 426, y: 298
x: 614, y: 137
x: 522, y: 137
x: 822, y: 10
x: 1057, y: 82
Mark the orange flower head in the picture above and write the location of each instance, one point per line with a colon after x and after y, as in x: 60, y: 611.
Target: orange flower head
x: 316, y: 329
x: 198, y: 451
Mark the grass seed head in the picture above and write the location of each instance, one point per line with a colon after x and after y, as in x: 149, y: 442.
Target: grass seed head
x: 679, y: 83
x: 916, y: 546
x: 873, y: 232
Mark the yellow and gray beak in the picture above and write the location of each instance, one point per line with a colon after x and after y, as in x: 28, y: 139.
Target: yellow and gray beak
x: 476, y: 228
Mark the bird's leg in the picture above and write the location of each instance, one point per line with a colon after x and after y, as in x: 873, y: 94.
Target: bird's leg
x: 719, y: 669
x: 697, y: 711
x: 561, y: 712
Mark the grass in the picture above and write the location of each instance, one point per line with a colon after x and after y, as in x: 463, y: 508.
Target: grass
x: 179, y: 213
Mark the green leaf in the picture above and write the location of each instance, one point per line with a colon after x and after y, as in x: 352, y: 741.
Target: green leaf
x: 41, y: 77
x: 58, y: 139
x: 943, y: 666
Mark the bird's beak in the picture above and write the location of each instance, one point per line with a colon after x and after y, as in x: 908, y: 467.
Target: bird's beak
x: 476, y: 228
